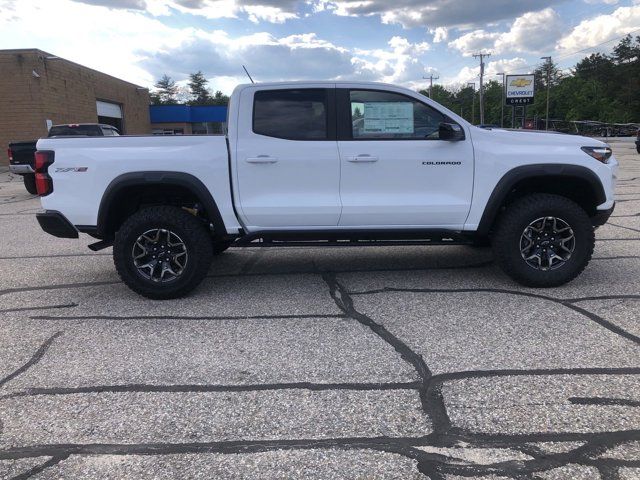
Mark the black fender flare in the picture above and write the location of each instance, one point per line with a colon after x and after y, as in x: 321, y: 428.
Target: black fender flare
x: 181, y: 179
x: 538, y: 170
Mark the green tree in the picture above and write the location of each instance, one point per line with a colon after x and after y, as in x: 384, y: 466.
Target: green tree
x: 200, y: 94
x: 220, y: 98
x: 165, y: 91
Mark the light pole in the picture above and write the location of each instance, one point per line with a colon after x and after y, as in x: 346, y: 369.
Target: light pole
x: 431, y: 78
x: 502, y: 102
x: 473, y: 101
x: 481, y: 56
x: 546, y: 120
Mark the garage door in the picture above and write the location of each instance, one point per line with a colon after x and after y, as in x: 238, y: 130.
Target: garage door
x: 110, y: 113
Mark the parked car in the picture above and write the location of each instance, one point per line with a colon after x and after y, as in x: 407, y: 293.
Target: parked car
x: 638, y: 141
x: 328, y: 163
x: 21, y: 153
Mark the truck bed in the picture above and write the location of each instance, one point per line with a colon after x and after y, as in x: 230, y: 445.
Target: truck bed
x: 84, y: 167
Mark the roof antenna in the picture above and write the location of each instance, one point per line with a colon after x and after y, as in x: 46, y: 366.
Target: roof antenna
x: 247, y: 72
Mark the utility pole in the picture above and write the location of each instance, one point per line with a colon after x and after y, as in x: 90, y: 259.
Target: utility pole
x: 546, y: 120
x: 481, y: 56
x: 431, y: 78
x: 473, y: 101
x: 502, y: 74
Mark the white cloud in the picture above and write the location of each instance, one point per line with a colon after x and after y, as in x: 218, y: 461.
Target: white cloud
x: 440, y: 34
x: 86, y: 34
x: 472, y: 74
x: 602, y: 28
x: 470, y: 42
x: 401, y: 63
x: 532, y: 32
x: 435, y: 13
x: 273, y: 11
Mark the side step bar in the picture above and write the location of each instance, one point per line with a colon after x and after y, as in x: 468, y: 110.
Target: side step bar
x: 352, y: 238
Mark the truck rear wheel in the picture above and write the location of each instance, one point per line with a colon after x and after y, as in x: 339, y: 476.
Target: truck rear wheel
x: 162, y: 252
x: 30, y: 183
x: 543, y: 240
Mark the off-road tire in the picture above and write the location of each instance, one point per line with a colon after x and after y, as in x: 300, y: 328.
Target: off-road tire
x: 190, y: 229
x: 514, y: 220
x: 30, y: 183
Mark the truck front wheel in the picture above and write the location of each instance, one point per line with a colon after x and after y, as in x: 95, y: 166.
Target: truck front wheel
x: 543, y: 240
x: 162, y: 252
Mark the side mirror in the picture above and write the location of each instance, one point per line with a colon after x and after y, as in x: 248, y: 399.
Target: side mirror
x: 450, y: 131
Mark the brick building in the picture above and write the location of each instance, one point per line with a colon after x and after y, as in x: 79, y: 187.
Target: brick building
x: 38, y: 89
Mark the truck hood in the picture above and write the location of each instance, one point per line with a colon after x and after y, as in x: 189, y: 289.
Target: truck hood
x: 535, y: 137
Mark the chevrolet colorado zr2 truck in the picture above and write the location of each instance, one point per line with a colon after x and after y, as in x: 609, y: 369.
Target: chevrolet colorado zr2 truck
x: 328, y: 163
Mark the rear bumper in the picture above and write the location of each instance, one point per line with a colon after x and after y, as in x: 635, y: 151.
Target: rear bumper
x: 601, y: 216
x: 20, y: 169
x: 56, y: 224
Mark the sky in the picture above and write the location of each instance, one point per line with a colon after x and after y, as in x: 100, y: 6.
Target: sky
x: 393, y: 41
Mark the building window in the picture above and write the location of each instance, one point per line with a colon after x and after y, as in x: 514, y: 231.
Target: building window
x: 168, y: 131
x: 207, y: 128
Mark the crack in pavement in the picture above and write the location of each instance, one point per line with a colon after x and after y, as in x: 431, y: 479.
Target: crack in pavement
x: 37, y: 356
x: 622, y: 226
x: 200, y: 388
x: 345, y: 303
x: 429, y: 463
x: 45, y: 307
x: 40, y: 468
x: 566, y: 303
x: 178, y: 317
x: 604, y: 401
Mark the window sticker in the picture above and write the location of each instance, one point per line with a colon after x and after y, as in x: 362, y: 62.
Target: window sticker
x: 388, y: 117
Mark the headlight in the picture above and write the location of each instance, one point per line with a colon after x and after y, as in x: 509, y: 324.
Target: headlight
x: 602, y: 154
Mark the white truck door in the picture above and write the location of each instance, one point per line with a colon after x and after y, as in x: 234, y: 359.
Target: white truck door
x: 395, y: 169
x: 287, y: 163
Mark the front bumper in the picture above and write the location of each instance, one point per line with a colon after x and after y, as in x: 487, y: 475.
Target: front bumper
x: 20, y: 169
x: 601, y: 216
x: 56, y: 224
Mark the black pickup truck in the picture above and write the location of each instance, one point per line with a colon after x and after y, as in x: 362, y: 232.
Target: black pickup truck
x: 21, y: 153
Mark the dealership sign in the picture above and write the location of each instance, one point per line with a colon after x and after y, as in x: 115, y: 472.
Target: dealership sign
x: 520, y: 89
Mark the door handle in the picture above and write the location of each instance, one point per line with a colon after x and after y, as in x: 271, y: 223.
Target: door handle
x: 262, y: 159
x: 364, y: 158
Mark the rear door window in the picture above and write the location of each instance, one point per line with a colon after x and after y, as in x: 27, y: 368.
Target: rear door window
x: 296, y: 114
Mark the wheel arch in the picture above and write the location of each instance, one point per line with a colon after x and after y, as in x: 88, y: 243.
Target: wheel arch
x: 575, y: 182
x: 110, y: 210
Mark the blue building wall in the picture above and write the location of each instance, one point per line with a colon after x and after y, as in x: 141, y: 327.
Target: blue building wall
x: 187, y: 114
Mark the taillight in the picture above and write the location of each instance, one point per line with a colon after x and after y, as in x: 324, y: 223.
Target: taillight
x: 44, y: 184
x: 10, y: 153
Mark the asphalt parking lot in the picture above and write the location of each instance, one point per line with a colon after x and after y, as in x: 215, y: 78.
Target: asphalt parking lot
x: 381, y: 362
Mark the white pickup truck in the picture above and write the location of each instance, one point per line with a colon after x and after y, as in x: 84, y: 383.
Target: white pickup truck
x: 328, y: 163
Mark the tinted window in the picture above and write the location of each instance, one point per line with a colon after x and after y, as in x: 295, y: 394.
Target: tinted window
x: 386, y: 115
x: 291, y: 114
x: 88, y: 130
